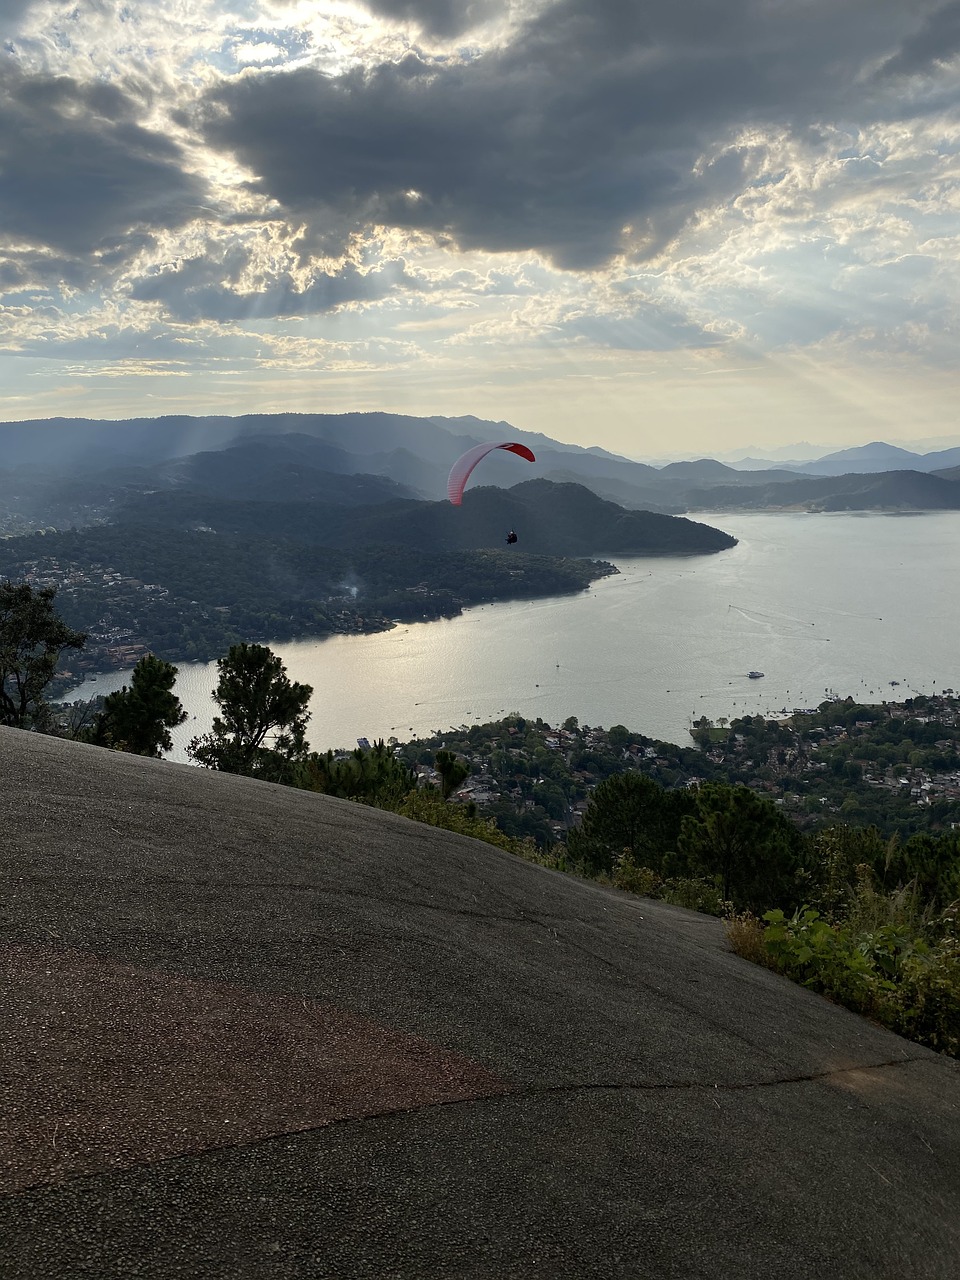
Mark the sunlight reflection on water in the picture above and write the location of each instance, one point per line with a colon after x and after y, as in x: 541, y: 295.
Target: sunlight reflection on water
x: 821, y: 604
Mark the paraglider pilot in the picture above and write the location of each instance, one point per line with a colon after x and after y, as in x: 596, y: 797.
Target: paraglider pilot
x: 511, y: 538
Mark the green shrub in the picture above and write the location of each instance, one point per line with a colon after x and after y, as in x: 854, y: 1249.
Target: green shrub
x: 373, y: 776
x: 630, y: 877
x: 696, y: 893
x: 807, y: 948
x: 889, y: 971
x: 869, y: 909
x: 428, y: 806
x: 928, y: 1005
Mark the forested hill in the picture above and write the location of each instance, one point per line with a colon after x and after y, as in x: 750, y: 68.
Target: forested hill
x: 187, y: 572
x: 549, y: 519
x: 189, y: 594
x: 886, y: 491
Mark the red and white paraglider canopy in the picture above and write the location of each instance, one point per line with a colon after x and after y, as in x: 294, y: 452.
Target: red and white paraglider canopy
x: 461, y: 469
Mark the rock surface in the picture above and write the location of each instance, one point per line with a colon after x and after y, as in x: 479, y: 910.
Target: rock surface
x: 249, y: 1031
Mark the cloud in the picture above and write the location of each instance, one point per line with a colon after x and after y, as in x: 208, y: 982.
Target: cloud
x: 261, y: 51
x: 198, y: 289
x: 12, y: 10
x: 438, y: 17
x: 30, y: 271
x: 485, y: 157
x: 936, y: 42
x: 502, y: 185
x: 79, y: 174
x: 583, y: 138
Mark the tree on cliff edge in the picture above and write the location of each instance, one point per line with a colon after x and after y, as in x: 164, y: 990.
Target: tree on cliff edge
x: 32, y: 638
x: 261, y: 731
x: 139, y: 719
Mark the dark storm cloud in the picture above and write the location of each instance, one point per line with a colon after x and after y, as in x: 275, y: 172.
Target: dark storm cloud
x: 439, y: 17
x: 936, y: 41
x: 78, y: 174
x: 32, y: 270
x: 496, y: 158
x: 201, y: 290
x: 594, y: 118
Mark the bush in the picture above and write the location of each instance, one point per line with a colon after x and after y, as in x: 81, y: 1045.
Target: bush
x: 696, y: 893
x: 889, y: 972
x: 869, y: 910
x: 807, y: 948
x: 746, y: 932
x: 633, y: 879
x: 373, y: 776
x: 929, y: 1007
x: 429, y: 807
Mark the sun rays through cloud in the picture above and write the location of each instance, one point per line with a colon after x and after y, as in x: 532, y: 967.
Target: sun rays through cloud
x: 572, y: 216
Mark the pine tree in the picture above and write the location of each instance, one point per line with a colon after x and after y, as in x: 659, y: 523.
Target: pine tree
x: 261, y: 730
x: 32, y: 638
x: 139, y: 719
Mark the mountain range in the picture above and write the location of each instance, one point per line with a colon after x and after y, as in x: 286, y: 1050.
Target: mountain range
x: 876, y: 456
x: 76, y: 471
x: 180, y: 536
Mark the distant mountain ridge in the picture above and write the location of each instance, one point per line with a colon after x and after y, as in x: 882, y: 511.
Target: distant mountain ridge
x: 883, y: 491
x: 878, y: 456
x: 862, y: 459
x: 256, y: 541
x: 291, y: 468
x: 297, y: 457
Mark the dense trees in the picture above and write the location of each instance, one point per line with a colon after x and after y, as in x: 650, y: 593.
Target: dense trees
x: 628, y: 814
x: 206, y: 593
x: 745, y: 843
x: 374, y: 777
x: 728, y: 836
x: 32, y: 638
x: 261, y: 730
x: 139, y: 719
x: 929, y: 863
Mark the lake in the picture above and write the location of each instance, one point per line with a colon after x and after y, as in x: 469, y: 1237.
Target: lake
x: 821, y: 604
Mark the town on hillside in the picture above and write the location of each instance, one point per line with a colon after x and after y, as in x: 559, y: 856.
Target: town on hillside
x: 895, y: 766
x: 190, y: 595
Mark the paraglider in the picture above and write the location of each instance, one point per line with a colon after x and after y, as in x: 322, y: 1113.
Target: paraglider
x: 511, y: 538
x: 461, y: 469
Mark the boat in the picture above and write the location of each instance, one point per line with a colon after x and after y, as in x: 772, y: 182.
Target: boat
x: 755, y: 675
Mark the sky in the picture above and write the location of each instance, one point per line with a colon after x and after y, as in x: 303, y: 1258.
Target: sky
x: 663, y: 228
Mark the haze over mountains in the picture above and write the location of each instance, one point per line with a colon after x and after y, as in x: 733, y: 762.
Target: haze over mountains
x: 184, y: 536
x: 876, y: 456
x: 79, y: 470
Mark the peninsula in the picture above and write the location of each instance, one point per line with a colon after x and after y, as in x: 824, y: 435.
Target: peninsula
x: 278, y: 536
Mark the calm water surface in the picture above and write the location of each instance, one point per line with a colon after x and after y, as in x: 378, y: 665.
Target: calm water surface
x: 827, y: 604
